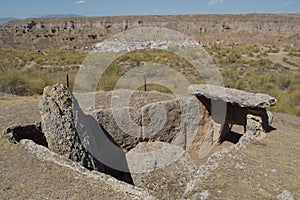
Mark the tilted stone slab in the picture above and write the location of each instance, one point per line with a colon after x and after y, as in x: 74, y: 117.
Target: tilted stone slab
x: 122, y: 124
x: 76, y: 136
x: 163, y: 168
x: 233, y: 96
x: 174, y: 121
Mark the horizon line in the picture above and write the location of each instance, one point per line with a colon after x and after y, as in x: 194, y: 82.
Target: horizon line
x: 137, y: 15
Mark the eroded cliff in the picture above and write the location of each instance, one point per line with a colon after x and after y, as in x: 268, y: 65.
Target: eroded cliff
x: 84, y: 32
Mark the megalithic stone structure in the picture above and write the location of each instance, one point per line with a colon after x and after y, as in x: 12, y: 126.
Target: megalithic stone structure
x: 224, y: 107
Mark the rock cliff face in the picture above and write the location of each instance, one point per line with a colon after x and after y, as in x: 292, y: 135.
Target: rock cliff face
x: 83, y: 32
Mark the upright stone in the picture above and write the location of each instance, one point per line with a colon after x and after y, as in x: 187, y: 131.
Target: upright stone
x: 58, y: 125
x: 255, y: 125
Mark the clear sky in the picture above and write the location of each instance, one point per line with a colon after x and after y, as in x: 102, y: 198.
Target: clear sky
x: 34, y: 8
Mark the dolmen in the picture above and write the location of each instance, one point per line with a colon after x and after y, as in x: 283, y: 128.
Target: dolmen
x: 225, y: 107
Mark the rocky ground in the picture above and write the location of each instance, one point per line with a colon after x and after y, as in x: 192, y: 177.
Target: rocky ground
x: 262, y: 171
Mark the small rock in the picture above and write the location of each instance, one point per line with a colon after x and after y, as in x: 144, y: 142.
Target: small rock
x: 203, y: 195
x: 285, y: 195
x: 274, y: 171
x: 238, y: 166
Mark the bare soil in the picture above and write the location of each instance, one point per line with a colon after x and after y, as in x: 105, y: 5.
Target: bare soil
x: 280, y: 56
x: 262, y: 170
x: 23, y: 176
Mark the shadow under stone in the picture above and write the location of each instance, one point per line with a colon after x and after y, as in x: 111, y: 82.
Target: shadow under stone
x: 106, y: 156
x: 232, y: 137
x: 101, y: 145
x: 31, y: 131
x: 268, y: 128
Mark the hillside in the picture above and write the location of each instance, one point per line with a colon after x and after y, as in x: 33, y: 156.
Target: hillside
x: 244, y: 29
x: 7, y: 19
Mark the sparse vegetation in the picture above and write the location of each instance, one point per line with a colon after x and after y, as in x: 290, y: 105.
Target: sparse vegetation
x: 260, y: 75
x: 140, y: 58
x: 292, y: 51
x: 19, y: 77
x: 242, y: 67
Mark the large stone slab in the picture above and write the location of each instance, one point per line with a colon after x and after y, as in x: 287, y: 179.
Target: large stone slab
x: 58, y: 126
x: 162, y: 168
x: 233, y: 96
x: 174, y: 121
x: 79, y: 137
x: 161, y: 121
x: 122, y: 124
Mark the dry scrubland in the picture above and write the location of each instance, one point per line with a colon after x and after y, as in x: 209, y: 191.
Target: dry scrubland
x: 266, y: 69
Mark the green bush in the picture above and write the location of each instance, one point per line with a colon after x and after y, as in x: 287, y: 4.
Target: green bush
x: 13, y: 82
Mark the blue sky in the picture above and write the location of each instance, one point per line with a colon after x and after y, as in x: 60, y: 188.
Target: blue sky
x: 33, y: 8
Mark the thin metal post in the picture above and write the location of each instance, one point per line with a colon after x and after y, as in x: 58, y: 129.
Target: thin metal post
x: 67, y: 80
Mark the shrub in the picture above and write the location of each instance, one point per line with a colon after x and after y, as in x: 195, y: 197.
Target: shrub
x: 13, y: 82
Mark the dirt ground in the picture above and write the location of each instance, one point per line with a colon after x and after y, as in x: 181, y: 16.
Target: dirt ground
x: 264, y: 169
x: 23, y: 176
x: 261, y: 171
